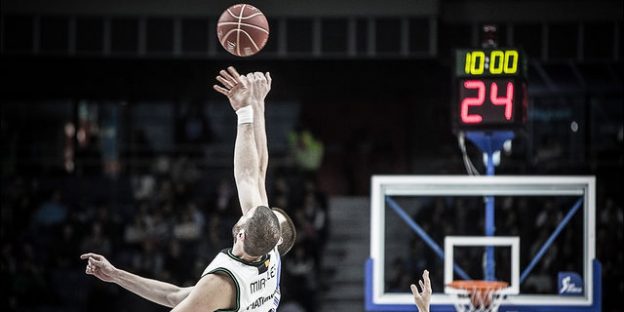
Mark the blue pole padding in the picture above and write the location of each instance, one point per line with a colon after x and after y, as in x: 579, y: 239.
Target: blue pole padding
x: 597, y: 304
x: 490, y: 228
x: 489, y: 142
x: 428, y: 240
x: 551, y: 240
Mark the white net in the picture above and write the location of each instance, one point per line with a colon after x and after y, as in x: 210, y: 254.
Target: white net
x: 478, y: 297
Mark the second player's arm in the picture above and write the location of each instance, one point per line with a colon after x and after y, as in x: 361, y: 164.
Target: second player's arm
x: 159, y: 292
x: 156, y: 291
x: 262, y: 88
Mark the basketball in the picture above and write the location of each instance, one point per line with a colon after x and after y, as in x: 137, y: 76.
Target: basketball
x: 242, y: 30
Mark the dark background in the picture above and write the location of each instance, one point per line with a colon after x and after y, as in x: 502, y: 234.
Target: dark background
x: 370, y: 80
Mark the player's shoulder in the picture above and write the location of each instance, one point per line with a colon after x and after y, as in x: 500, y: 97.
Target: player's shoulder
x: 218, y: 278
x: 213, y: 292
x: 218, y: 283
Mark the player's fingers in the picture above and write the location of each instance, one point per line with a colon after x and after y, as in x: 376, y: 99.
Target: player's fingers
x: 230, y: 74
x: 427, y: 280
x: 220, y: 89
x: 268, y: 78
x: 226, y: 76
x: 251, y: 77
x: 90, y: 255
x: 236, y: 76
x: 259, y: 76
x: 94, y: 263
x: 226, y: 83
x: 243, y: 81
x: 422, y: 285
x: 415, y: 291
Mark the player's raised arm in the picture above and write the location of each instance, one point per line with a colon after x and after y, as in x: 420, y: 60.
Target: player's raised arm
x: 239, y: 91
x: 262, y: 86
x: 156, y: 291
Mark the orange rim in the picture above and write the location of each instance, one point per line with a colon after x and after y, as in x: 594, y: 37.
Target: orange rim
x: 479, y: 285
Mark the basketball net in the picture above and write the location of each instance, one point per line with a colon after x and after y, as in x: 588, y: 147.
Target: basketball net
x: 477, y: 296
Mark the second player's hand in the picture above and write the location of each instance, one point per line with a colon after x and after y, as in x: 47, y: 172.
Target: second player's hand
x: 423, y: 298
x: 262, y: 85
x: 237, y: 88
x: 99, y: 267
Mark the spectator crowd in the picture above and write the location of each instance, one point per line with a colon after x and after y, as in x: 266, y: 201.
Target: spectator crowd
x: 166, y: 222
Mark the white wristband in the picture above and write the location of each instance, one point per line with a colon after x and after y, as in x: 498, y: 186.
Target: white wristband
x: 245, y: 115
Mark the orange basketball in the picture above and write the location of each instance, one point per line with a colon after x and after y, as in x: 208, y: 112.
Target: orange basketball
x: 242, y: 30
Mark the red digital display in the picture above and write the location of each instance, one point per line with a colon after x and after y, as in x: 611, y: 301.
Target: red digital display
x: 488, y: 101
x: 490, y: 90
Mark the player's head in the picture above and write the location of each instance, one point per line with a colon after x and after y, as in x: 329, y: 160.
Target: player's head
x: 260, y: 229
x: 289, y: 233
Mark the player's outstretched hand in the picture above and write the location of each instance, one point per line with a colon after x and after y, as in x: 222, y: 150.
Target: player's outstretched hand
x: 237, y: 88
x: 423, y: 298
x: 99, y: 267
x: 262, y: 85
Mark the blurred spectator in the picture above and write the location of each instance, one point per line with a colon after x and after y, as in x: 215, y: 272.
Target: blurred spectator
x: 139, y: 152
x: 143, y: 187
x: 149, y: 260
x: 51, y: 212
x: 135, y: 231
x: 96, y: 241
x: 184, y: 170
x: 175, y: 264
x: 66, y: 248
x: 307, y: 150
x: 190, y: 224
x: 300, y: 282
x: 225, y: 201
x: 312, y: 220
x: 88, y: 155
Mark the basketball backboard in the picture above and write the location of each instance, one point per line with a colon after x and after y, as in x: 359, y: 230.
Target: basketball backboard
x: 551, y: 219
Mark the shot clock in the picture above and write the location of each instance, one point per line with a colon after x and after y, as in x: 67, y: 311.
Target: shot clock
x: 491, y: 90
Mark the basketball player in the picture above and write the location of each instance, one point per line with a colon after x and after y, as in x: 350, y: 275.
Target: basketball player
x: 423, y: 298
x: 245, y: 277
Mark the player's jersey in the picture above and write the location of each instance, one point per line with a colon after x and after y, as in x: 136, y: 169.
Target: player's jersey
x: 257, y: 283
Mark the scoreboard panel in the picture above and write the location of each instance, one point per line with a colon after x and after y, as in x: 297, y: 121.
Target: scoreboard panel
x: 490, y: 89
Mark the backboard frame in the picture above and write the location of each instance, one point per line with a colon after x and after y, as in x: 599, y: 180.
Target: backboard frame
x: 472, y: 241
x: 382, y: 186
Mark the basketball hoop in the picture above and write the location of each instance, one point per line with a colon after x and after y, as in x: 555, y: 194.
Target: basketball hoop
x: 477, y: 296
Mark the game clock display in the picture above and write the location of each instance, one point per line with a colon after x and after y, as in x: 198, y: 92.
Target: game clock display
x: 491, y: 89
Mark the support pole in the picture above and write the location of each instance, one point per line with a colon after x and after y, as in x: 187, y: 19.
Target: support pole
x: 489, y: 142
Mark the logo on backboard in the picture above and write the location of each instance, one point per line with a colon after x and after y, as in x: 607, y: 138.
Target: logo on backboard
x: 570, y: 284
